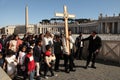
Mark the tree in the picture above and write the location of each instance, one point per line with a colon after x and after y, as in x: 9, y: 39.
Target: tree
x: 45, y: 21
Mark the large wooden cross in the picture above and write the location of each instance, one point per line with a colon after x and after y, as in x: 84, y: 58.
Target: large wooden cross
x: 66, y: 15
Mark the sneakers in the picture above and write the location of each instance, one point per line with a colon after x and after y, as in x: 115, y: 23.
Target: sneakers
x: 67, y: 71
x: 54, y: 75
x: 46, y: 77
x: 73, y: 70
x: 38, y: 78
x: 93, y: 67
x: 86, y: 67
x: 51, y: 76
x: 57, y: 70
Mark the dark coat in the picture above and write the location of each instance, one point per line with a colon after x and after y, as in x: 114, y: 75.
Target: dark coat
x: 78, y: 41
x: 57, y: 47
x: 94, y: 44
x: 37, y: 52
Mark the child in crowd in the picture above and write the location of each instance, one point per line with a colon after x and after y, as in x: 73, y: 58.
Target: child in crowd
x: 21, y: 58
x: 29, y: 65
x: 32, y: 44
x: 10, y: 63
x: 37, y: 53
x: 49, y: 61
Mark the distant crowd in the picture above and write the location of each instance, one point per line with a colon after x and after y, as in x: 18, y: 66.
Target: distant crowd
x: 34, y: 55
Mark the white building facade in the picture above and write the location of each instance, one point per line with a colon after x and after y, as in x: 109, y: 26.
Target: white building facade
x: 109, y: 25
x: 104, y: 25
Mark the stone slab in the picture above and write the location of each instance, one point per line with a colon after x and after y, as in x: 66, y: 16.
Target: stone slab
x: 3, y: 75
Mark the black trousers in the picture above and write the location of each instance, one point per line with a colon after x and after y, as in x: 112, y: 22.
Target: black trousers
x: 25, y: 75
x: 57, y: 61
x: 79, y: 53
x: 91, y: 56
x: 69, y: 61
x: 47, y: 68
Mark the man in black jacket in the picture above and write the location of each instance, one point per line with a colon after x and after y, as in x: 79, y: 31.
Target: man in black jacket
x: 93, y: 48
x: 57, y: 51
x: 79, y: 45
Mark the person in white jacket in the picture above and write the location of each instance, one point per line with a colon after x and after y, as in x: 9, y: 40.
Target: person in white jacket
x: 47, y: 40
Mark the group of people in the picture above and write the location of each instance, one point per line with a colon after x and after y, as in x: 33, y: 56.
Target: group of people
x: 32, y: 54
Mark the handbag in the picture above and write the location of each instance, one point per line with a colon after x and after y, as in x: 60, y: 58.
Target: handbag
x: 53, y: 58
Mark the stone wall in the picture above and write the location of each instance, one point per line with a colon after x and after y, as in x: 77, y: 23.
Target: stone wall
x: 103, y: 36
x: 110, y: 49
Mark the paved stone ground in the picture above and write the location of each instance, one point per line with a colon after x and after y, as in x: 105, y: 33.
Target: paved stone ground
x: 104, y: 71
x: 3, y: 75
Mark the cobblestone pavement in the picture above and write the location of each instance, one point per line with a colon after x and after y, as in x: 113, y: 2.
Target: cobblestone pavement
x: 102, y: 72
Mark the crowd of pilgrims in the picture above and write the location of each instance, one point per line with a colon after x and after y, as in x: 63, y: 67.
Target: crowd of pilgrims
x: 35, y: 55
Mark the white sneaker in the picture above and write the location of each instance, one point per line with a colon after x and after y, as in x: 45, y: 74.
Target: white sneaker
x: 46, y: 77
x: 56, y: 75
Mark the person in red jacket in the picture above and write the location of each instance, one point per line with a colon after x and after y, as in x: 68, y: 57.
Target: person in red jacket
x: 49, y: 59
x: 29, y: 65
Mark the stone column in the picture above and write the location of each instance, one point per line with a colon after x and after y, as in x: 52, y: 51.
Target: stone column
x: 77, y: 29
x: 57, y: 30
x: 53, y: 30
x: 107, y: 28
x: 88, y: 30
x: 46, y: 30
x: 118, y: 27
x: 43, y: 30
x: 101, y: 26
x: 82, y: 29
x: 40, y: 30
x: 36, y: 29
x: 113, y: 28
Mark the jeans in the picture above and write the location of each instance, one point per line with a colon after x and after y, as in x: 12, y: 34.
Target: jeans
x: 31, y: 75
